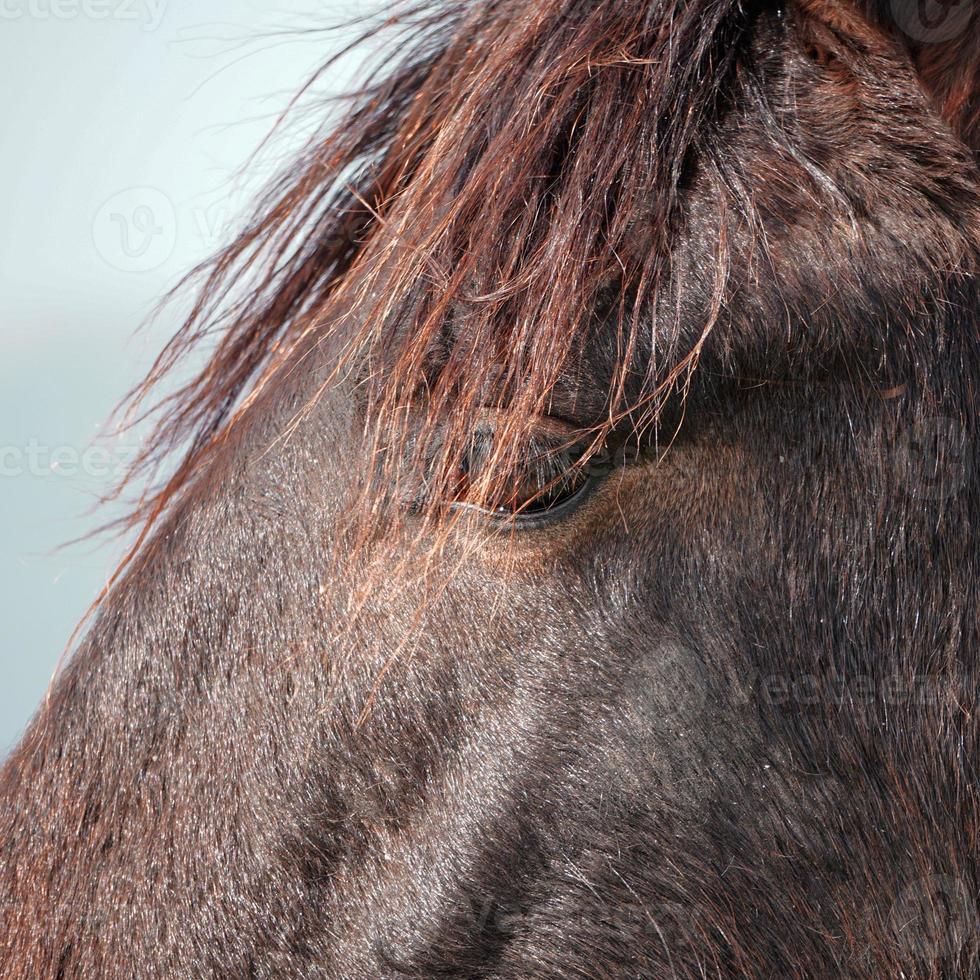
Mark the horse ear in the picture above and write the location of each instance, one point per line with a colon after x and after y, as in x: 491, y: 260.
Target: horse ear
x: 943, y: 39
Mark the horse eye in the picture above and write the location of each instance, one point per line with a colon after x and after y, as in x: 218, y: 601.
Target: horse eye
x: 547, y: 483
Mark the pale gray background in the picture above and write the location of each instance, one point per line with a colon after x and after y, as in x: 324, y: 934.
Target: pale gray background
x: 123, y: 125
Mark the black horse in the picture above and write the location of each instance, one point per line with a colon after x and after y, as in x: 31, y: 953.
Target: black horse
x: 569, y: 567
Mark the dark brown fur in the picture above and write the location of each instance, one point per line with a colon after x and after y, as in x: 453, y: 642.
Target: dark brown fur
x: 719, y: 720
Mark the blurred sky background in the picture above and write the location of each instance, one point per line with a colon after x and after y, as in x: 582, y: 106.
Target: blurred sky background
x: 124, y: 125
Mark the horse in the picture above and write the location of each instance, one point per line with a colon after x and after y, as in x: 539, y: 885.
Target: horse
x: 565, y: 563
